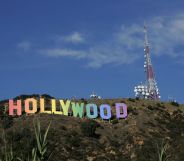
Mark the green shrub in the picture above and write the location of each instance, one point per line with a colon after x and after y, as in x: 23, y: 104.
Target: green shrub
x: 150, y: 107
x: 175, y: 103
x: 88, y: 128
x: 114, y: 121
x: 122, y: 101
x: 7, y: 150
x: 73, y: 140
x: 113, y: 104
x: 7, y: 121
x: 39, y: 153
x: 158, y: 104
x: 131, y: 99
x: 162, y: 152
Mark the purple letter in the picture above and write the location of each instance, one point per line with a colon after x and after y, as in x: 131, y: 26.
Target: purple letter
x: 118, y: 110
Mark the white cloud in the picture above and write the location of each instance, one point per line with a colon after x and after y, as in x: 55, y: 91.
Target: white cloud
x: 64, y: 52
x: 75, y: 37
x: 120, y: 49
x: 166, y: 36
x: 24, y: 45
x: 95, y: 56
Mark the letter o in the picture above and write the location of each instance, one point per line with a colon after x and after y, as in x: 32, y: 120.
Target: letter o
x: 102, y: 113
x: 88, y: 111
x: 34, y: 104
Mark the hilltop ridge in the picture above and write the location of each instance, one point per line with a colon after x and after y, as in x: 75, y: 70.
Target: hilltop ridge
x: 139, y: 137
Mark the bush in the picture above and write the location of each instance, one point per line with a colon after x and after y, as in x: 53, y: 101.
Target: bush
x: 122, y: 101
x: 6, y: 121
x: 162, y: 152
x: 113, y: 104
x: 131, y: 99
x: 73, y: 140
x: 114, y: 121
x: 88, y: 128
x: 150, y: 107
x: 130, y: 109
x: 39, y: 151
x: 175, y: 103
x: 47, y: 96
x: 158, y: 104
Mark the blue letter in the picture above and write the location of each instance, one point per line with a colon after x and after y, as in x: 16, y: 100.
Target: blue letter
x: 89, y: 108
x: 108, y: 111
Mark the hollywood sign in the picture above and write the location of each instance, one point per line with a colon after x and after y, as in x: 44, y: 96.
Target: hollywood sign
x: 78, y: 109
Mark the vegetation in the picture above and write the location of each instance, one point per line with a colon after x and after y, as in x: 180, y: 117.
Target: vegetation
x: 71, y: 138
x: 175, y: 104
x: 8, y: 152
x: 162, y: 152
x: 39, y: 152
x: 7, y: 121
x: 88, y: 128
x: 114, y: 121
x: 131, y: 99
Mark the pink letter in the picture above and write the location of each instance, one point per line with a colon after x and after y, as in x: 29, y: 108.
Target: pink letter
x: 16, y: 107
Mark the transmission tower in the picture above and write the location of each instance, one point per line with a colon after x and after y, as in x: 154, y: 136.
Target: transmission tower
x: 149, y: 90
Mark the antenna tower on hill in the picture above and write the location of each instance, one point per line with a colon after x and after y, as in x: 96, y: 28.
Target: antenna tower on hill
x: 149, y: 90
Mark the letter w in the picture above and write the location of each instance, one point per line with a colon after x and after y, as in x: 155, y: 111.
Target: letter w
x: 77, y: 109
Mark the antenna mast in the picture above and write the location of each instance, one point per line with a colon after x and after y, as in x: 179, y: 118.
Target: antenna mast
x: 149, y: 90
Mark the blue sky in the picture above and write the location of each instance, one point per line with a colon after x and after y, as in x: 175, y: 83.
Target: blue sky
x: 68, y: 47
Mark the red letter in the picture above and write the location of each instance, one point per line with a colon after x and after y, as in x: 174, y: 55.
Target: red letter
x: 16, y: 107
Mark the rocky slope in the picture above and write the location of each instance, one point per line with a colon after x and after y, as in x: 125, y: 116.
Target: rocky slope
x: 149, y: 127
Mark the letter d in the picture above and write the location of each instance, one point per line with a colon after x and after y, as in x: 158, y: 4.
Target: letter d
x: 118, y: 110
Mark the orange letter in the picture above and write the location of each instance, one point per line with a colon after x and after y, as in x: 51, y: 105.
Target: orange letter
x: 34, y: 105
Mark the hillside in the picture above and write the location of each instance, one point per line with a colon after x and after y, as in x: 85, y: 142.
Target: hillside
x: 149, y: 127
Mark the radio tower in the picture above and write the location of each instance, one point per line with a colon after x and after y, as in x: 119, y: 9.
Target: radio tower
x: 149, y: 90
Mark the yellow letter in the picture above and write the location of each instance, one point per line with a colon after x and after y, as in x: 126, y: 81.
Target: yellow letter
x: 42, y: 106
x: 54, y: 108
x: 65, y: 106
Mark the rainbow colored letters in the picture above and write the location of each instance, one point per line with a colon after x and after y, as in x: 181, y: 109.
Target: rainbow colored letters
x: 91, y: 110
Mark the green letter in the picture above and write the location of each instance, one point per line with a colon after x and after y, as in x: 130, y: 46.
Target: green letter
x: 77, y: 109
